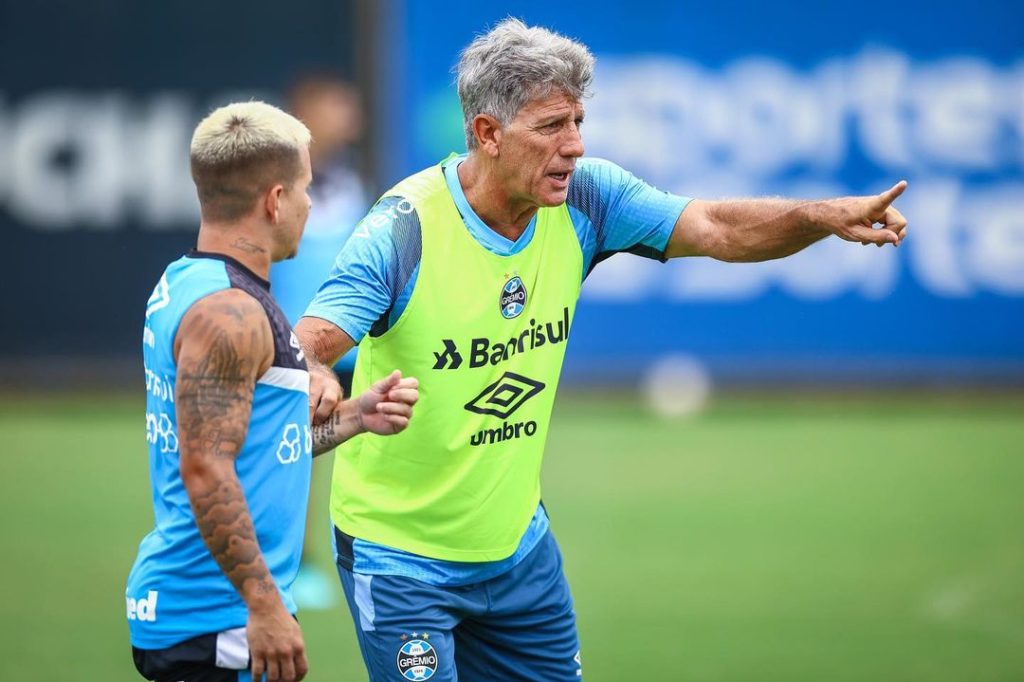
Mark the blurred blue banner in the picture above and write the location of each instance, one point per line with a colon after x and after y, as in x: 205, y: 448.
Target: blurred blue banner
x: 811, y: 100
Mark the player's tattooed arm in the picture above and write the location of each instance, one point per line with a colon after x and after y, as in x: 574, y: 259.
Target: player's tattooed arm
x: 223, y: 344
x: 385, y: 409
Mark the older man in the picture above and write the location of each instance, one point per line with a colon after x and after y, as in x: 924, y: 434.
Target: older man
x: 227, y: 419
x: 467, y: 275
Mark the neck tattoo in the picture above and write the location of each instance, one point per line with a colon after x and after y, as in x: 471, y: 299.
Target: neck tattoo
x: 244, y: 244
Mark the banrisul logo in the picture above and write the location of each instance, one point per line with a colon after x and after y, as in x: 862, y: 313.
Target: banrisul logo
x: 483, y: 350
x: 513, y: 298
x: 417, y: 660
x: 449, y: 358
x: 501, y: 399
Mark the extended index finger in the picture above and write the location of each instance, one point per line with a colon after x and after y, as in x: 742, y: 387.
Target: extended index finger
x: 890, y: 195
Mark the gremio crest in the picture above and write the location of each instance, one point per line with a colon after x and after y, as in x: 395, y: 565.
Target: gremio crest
x: 513, y: 298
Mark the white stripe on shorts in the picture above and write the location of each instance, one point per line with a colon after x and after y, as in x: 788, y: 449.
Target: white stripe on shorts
x: 364, y: 601
x: 232, y: 649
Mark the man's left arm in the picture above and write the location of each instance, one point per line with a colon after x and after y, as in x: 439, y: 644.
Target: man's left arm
x: 384, y: 409
x: 752, y: 230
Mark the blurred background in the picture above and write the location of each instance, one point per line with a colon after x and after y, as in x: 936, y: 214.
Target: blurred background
x: 799, y: 470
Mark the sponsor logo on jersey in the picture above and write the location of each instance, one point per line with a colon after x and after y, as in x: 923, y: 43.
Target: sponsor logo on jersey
x: 417, y: 658
x: 513, y: 298
x: 383, y: 213
x: 449, y: 358
x: 160, y: 386
x: 484, y: 351
x: 506, y: 395
x: 142, y: 609
x: 161, y: 432
x: 293, y: 445
x: 501, y: 399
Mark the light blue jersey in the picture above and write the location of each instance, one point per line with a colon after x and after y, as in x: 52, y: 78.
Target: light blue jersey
x: 176, y: 590
x: 612, y: 211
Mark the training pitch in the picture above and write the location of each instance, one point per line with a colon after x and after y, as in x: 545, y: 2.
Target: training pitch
x: 773, y: 538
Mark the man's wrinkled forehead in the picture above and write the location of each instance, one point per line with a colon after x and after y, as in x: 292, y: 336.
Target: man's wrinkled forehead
x: 551, y: 105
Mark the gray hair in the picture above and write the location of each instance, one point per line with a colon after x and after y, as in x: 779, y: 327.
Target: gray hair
x: 502, y: 70
x: 239, y: 151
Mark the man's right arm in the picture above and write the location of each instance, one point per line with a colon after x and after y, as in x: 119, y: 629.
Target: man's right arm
x: 223, y: 344
x: 368, y: 277
x: 324, y: 342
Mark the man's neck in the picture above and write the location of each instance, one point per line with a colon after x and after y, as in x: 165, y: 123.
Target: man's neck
x: 238, y: 242
x: 489, y: 199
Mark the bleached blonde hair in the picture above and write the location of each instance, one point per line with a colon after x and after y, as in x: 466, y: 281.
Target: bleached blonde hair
x: 240, y: 151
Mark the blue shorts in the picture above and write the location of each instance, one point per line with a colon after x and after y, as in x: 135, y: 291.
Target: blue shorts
x: 519, y: 625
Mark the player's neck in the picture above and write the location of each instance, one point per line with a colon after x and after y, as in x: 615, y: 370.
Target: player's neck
x: 237, y: 242
x: 489, y: 199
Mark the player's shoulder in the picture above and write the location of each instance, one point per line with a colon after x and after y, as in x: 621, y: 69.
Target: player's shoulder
x: 594, y: 186
x: 596, y: 163
x: 231, y: 309
x: 230, y: 322
x: 391, y: 217
x: 232, y: 301
x: 596, y: 179
x: 595, y: 167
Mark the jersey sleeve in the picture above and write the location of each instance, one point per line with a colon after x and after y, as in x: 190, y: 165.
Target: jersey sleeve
x: 615, y: 211
x: 372, y: 271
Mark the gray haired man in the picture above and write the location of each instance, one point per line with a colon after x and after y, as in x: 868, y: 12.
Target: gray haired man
x: 466, y: 275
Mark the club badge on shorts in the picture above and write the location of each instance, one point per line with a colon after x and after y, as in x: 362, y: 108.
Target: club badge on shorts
x: 417, y: 659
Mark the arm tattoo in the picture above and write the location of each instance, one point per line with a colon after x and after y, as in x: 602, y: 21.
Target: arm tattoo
x: 226, y: 526
x: 222, y: 351
x: 341, y: 425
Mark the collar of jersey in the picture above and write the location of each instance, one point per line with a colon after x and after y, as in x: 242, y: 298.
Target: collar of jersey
x: 196, y: 253
x: 488, y: 238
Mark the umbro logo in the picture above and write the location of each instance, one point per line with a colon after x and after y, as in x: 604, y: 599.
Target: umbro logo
x: 449, y: 358
x: 501, y: 399
x: 505, y: 396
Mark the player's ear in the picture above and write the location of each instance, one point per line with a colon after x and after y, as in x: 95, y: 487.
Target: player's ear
x: 487, y: 131
x: 272, y: 203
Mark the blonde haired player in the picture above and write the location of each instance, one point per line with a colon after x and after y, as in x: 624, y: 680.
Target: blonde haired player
x: 227, y: 419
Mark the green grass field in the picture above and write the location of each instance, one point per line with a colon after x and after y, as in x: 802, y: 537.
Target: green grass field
x: 872, y: 538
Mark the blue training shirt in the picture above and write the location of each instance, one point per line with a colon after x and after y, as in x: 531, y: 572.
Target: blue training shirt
x: 176, y: 590
x: 612, y: 211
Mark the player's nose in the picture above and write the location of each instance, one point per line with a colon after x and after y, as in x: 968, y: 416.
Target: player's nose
x: 572, y: 146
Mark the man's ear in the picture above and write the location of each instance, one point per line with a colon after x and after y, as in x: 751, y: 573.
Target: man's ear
x: 487, y: 131
x: 272, y: 203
